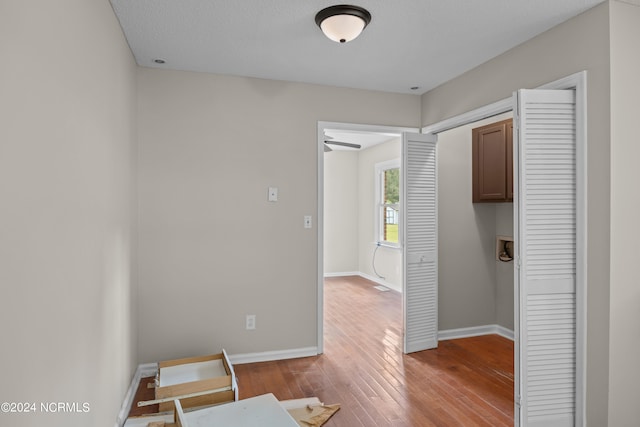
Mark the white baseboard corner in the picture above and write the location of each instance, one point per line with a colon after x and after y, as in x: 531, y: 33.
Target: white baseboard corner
x: 504, y: 332
x: 342, y: 273
x: 143, y: 370
x: 475, y: 331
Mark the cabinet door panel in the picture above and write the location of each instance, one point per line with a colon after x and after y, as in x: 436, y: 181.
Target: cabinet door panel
x: 489, y: 160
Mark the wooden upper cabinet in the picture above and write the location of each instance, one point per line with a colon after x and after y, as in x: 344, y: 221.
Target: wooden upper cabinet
x: 493, y: 162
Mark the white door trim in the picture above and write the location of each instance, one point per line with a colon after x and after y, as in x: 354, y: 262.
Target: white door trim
x: 577, y: 81
x: 472, y: 116
x: 322, y: 125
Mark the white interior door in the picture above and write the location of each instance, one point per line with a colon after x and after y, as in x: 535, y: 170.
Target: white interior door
x: 547, y: 226
x: 420, y: 241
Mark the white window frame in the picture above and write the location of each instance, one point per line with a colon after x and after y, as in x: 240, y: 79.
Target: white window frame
x: 380, y: 168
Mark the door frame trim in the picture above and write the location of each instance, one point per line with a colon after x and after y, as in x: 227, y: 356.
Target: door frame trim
x: 321, y: 126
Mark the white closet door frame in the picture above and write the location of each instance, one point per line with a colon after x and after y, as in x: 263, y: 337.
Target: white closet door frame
x: 419, y: 234
x: 577, y: 81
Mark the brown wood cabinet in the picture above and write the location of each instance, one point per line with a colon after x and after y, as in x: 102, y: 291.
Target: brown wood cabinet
x: 493, y: 162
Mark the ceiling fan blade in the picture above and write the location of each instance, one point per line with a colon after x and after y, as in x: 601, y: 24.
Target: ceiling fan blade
x: 344, y: 144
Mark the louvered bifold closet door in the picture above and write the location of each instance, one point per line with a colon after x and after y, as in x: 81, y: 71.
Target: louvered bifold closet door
x: 546, y: 227
x: 420, y: 242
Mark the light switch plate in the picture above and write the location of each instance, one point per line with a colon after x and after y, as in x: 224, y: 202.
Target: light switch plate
x: 273, y: 194
x: 251, y: 322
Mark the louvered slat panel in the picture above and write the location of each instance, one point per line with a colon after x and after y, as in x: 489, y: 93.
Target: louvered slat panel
x: 420, y: 242
x: 547, y: 197
x: 420, y: 327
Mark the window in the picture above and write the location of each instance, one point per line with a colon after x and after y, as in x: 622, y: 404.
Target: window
x: 388, y: 202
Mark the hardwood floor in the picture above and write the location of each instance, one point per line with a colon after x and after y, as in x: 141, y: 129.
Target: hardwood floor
x: 465, y: 382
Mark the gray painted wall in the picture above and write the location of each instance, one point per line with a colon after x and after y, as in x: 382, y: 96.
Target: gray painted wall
x: 66, y: 188
x: 212, y: 248
x: 504, y: 270
x: 624, y: 327
x: 341, y: 212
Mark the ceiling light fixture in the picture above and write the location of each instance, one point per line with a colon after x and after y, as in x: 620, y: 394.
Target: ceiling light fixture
x: 343, y: 23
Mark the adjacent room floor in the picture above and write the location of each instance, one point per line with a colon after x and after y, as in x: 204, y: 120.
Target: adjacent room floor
x: 465, y: 382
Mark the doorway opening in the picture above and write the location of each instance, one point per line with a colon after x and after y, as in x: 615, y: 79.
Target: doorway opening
x: 361, y: 206
x: 475, y: 285
x: 358, y: 207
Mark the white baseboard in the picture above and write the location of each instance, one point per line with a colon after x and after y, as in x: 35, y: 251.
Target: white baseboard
x: 504, y: 332
x: 267, y: 356
x: 143, y: 370
x: 475, y: 331
x: 339, y: 274
x: 374, y: 279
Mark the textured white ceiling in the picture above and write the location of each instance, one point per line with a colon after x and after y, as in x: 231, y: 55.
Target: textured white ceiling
x: 408, y: 43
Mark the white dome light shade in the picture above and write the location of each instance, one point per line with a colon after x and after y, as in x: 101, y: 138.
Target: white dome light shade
x: 342, y: 28
x: 342, y: 23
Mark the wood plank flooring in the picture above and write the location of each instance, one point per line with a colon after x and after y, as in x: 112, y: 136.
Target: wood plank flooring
x: 465, y: 382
